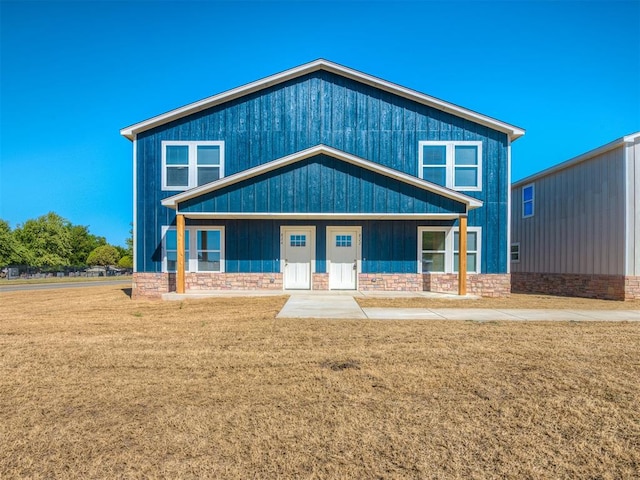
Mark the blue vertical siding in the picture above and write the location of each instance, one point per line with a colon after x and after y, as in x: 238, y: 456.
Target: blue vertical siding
x: 322, y: 107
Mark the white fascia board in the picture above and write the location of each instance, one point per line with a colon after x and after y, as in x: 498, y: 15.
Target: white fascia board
x: 173, y: 201
x: 512, y: 131
x: 319, y: 216
x: 579, y: 159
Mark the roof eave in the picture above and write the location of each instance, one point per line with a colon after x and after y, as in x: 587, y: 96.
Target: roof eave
x: 579, y: 159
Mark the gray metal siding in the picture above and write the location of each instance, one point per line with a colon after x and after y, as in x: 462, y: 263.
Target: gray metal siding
x: 579, y: 221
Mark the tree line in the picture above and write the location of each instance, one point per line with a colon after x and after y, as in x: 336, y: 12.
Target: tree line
x: 51, y: 241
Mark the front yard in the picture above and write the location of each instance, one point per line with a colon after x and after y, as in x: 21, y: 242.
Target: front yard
x: 93, y: 384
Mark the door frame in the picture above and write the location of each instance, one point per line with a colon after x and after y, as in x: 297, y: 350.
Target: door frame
x: 338, y: 228
x: 311, y: 230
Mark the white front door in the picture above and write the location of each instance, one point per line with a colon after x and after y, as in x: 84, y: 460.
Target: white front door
x: 297, y: 250
x: 343, y: 254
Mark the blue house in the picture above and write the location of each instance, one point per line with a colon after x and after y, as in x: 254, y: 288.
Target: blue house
x: 321, y: 178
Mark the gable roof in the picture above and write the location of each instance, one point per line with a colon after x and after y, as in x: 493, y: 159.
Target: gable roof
x: 512, y: 131
x: 626, y: 140
x: 174, y: 200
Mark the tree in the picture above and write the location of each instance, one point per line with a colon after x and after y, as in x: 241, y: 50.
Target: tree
x: 46, y: 241
x: 126, y: 262
x: 82, y: 244
x: 104, y: 256
x: 11, y: 251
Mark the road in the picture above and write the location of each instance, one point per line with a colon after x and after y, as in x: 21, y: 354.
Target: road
x: 55, y: 286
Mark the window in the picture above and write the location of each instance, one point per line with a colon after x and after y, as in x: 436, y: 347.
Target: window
x: 343, y: 240
x: 472, y: 251
x: 190, y: 164
x: 439, y: 249
x: 209, y: 250
x: 515, y: 253
x: 456, y: 165
x: 433, y: 251
x: 203, y: 252
x: 528, y: 197
x: 298, y: 240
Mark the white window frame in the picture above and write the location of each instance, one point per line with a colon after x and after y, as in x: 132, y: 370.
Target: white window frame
x: 191, y: 263
x: 517, y: 245
x: 449, y: 243
x: 192, y: 164
x: 450, y: 162
x: 532, y: 201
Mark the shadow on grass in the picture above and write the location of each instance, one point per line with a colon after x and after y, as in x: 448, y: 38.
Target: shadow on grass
x: 127, y: 291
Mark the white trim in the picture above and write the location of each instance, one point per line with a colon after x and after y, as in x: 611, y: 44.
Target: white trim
x: 533, y: 200
x: 580, y: 158
x: 449, y: 244
x: 508, y: 203
x: 344, y: 228
x: 512, y: 131
x: 320, y: 216
x: 192, y: 164
x: 312, y: 245
x: 135, y: 204
x: 172, y: 202
x: 191, y: 262
x: 450, y: 159
x: 514, y: 244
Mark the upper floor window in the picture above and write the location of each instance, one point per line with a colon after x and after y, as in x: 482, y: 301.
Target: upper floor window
x: 456, y: 165
x: 190, y: 164
x: 528, y: 198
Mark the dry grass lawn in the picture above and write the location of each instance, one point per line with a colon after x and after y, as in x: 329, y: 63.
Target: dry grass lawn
x: 95, y: 385
x: 514, y: 301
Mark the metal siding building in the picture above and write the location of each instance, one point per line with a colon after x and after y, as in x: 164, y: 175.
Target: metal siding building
x: 582, y: 238
x: 368, y: 132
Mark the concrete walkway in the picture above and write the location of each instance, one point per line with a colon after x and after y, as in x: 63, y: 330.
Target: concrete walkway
x: 336, y: 306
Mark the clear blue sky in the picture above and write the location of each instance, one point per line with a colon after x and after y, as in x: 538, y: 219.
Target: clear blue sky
x: 73, y: 74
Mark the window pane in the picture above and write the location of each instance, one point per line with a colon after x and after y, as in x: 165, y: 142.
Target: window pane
x: 298, y: 240
x: 172, y: 261
x: 466, y: 155
x: 433, y: 262
x: 466, y: 177
x: 208, y: 155
x: 177, y: 155
x: 528, y: 209
x: 343, y: 240
x: 437, y: 175
x: 471, y: 262
x: 527, y: 193
x: 433, y: 240
x: 209, y: 261
x: 472, y: 241
x: 208, y: 240
x: 208, y: 174
x: 171, y: 240
x: 434, y: 155
x: 177, y: 176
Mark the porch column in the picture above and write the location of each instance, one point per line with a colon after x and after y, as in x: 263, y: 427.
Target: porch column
x: 462, y: 256
x: 180, y: 247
